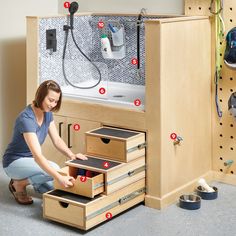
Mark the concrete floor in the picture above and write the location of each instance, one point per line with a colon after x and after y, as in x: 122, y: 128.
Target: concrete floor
x: 215, y: 217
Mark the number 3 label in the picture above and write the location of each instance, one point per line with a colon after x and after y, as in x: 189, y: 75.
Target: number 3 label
x: 108, y: 215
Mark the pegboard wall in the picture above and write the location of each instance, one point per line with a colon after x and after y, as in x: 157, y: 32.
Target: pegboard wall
x: 224, y: 128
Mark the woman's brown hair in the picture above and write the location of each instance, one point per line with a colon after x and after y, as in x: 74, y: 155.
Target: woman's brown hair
x: 42, y: 92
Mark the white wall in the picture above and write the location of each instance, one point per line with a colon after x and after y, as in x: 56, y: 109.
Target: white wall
x: 13, y: 58
x: 127, y: 6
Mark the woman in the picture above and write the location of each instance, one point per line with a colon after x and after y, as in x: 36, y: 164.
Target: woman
x: 23, y: 160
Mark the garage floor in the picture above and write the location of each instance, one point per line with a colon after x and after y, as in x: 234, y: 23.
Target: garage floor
x: 215, y: 217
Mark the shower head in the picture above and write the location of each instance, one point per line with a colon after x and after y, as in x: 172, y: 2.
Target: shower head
x: 74, y: 6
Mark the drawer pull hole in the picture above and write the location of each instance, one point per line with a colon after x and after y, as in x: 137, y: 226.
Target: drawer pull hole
x: 64, y: 204
x: 105, y: 140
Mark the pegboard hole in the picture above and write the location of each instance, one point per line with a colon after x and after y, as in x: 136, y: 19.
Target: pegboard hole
x: 231, y: 172
x: 221, y: 89
x: 231, y: 90
x: 231, y: 9
x: 231, y: 137
x: 231, y: 78
x: 221, y: 54
x: 231, y: 20
x: 231, y: 148
x: 231, y: 125
x: 221, y: 170
x: 220, y: 77
x: 221, y: 123
x: 220, y: 100
x: 200, y: 8
x: 220, y: 43
x: 220, y: 66
x: 221, y: 147
x: 221, y: 135
x: 221, y: 158
x: 189, y: 8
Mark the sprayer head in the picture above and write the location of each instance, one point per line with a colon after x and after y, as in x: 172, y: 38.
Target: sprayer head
x: 74, y: 6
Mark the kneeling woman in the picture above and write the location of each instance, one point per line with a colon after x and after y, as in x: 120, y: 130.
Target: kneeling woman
x: 23, y: 160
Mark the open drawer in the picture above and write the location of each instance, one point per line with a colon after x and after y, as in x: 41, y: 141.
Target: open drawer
x: 116, y: 174
x: 115, y: 144
x: 84, y: 213
x: 84, y: 185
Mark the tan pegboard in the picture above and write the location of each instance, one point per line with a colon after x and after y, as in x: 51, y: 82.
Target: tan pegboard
x: 197, y: 7
x: 223, y: 129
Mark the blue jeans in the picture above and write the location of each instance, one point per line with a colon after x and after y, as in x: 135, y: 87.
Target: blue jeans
x: 27, y: 168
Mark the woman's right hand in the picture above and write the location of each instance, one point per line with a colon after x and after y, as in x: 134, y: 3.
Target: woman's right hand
x: 66, y: 181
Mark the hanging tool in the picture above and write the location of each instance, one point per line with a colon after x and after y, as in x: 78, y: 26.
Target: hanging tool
x: 220, y: 29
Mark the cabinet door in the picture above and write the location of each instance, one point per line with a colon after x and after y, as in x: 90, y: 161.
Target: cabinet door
x: 48, y: 149
x: 76, y: 129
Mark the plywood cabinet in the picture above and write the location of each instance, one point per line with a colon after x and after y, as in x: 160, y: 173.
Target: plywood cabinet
x: 177, y: 99
x: 72, y: 131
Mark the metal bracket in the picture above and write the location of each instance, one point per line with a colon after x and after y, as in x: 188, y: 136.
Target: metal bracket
x: 121, y: 201
x: 129, y: 174
x: 139, y: 147
x: 98, y: 185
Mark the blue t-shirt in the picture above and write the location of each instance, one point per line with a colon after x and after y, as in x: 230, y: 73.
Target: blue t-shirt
x: 26, y: 122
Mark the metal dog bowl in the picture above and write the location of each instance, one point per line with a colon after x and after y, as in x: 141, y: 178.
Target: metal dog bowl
x: 190, y: 201
x: 207, y: 195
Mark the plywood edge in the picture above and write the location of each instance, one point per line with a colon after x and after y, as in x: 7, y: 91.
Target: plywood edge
x: 172, y: 197
x: 106, y: 14
x: 177, y: 19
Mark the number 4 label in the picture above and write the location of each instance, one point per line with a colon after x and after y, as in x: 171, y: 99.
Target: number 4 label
x: 106, y: 164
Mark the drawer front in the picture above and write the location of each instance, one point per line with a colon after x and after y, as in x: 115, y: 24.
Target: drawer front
x: 115, y: 144
x: 109, y: 148
x: 63, y: 211
x: 85, y: 186
x: 127, y: 174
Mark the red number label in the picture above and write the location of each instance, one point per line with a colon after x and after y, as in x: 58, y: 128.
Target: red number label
x: 137, y: 102
x: 101, y: 24
x: 76, y: 127
x: 134, y: 61
x: 108, y: 215
x: 66, y: 4
x: 83, y: 178
x: 102, y: 90
x: 106, y: 164
x: 173, y: 136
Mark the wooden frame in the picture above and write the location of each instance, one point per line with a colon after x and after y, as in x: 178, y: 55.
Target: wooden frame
x: 178, y: 91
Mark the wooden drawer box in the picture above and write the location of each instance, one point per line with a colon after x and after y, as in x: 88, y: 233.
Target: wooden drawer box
x: 116, y: 174
x: 85, y: 186
x: 115, y: 144
x: 85, y: 213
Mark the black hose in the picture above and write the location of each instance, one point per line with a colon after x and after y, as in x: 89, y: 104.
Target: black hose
x: 63, y: 61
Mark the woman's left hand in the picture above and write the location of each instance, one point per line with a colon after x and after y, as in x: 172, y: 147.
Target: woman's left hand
x: 78, y: 156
